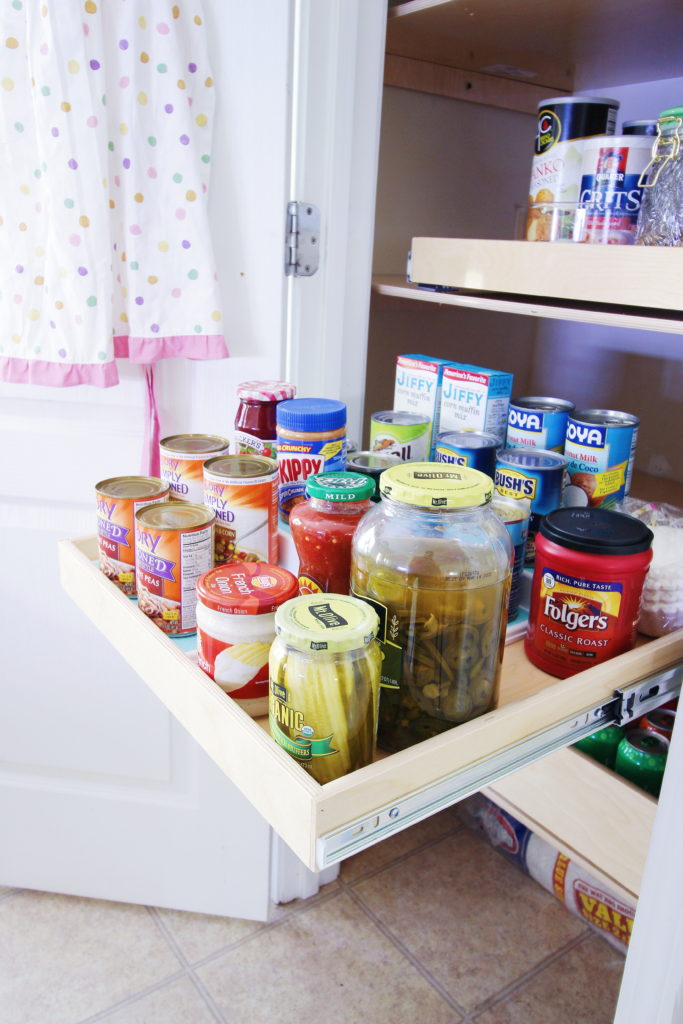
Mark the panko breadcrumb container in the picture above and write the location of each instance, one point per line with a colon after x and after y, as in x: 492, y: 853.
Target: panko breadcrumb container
x: 324, y: 683
x: 434, y: 561
x: 236, y: 607
x: 118, y: 499
x: 182, y: 463
x: 173, y: 547
x: 242, y: 491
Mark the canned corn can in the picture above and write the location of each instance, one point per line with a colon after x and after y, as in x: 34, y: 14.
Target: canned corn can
x: 602, y: 744
x: 242, y: 491
x: 173, y: 547
x: 515, y: 517
x: 641, y: 758
x: 600, y: 449
x: 406, y: 435
x: 535, y: 475
x: 538, y: 422
x: 182, y: 463
x: 472, y: 448
x: 118, y: 499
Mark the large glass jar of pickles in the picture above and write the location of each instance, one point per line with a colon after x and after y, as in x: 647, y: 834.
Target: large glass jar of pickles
x: 434, y: 561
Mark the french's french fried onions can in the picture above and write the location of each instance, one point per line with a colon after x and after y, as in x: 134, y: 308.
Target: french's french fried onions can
x: 600, y: 449
x: 118, y: 499
x: 173, y: 547
x: 242, y: 491
x: 564, y: 123
x: 182, y: 463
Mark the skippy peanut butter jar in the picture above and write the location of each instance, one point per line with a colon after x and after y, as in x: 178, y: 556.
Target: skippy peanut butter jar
x: 590, y: 569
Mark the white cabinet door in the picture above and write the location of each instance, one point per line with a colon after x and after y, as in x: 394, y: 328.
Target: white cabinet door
x: 101, y: 793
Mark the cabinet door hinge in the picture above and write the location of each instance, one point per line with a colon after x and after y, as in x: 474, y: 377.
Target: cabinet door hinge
x: 302, y: 239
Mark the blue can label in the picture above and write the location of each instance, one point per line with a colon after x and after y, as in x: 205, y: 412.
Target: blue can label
x: 483, y: 459
x: 599, y: 462
x: 536, y: 428
x: 297, y: 460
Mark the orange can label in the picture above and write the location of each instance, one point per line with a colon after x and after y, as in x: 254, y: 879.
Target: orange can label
x: 116, y: 537
x: 169, y: 563
x: 246, y: 517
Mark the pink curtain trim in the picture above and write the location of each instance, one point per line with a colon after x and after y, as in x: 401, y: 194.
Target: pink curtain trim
x: 188, y: 346
x: 58, y: 375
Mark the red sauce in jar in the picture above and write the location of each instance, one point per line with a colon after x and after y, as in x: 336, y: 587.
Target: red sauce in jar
x: 590, y: 568
x: 255, y: 422
x: 323, y: 527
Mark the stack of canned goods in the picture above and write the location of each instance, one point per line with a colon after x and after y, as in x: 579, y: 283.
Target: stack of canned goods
x: 638, y: 752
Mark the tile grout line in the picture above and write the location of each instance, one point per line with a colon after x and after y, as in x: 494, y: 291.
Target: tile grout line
x: 396, y: 942
x: 197, y: 983
x: 525, y: 978
x: 136, y: 997
x: 401, y: 857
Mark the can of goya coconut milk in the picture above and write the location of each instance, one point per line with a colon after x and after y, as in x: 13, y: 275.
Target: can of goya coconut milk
x: 538, y: 422
x: 600, y: 449
x: 403, y: 434
x: 118, y: 499
x: 472, y: 448
x: 173, y: 547
x: 564, y: 123
x: 610, y: 195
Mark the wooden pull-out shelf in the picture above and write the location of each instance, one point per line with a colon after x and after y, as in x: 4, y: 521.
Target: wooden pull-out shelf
x: 324, y: 824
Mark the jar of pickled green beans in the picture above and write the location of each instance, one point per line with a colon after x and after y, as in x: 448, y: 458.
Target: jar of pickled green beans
x: 324, y: 683
x: 434, y: 561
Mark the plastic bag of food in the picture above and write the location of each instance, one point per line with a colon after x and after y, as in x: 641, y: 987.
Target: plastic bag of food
x: 662, y: 607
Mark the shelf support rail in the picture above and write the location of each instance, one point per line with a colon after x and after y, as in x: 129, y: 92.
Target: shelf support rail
x: 628, y: 704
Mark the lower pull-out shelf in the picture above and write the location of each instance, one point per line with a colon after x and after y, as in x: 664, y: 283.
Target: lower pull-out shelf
x: 324, y: 824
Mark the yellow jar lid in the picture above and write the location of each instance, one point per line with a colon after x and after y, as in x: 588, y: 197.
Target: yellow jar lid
x: 436, y: 485
x: 330, y: 623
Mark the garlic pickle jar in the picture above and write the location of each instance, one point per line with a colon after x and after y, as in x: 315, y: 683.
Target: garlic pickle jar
x: 434, y: 561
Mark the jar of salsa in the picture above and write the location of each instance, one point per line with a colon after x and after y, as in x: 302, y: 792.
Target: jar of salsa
x: 323, y: 527
x: 255, y: 422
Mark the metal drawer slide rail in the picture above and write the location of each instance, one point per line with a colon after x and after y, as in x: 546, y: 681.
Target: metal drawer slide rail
x: 627, y: 704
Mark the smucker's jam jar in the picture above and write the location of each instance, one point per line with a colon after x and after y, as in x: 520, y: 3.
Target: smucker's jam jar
x: 323, y: 528
x: 434, y: 561
x: 255, y: 421
x: 590, y: 569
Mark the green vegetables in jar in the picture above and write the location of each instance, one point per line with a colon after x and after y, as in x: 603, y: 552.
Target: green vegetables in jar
x: 324, y: 683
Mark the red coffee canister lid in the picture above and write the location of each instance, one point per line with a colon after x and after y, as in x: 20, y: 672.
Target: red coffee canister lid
x: 246, y: 588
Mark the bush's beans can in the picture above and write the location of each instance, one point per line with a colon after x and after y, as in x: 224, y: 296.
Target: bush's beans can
x: 564, y: 123
x: 472, y: 448
x: 641, y: 758
x: 610, y: 194
x: 602, y: 745
x: 118, y: 499
x: 586, y: 590
x: 404, y: 434
x: 242, y: 491
x: 515, y: 517
x: 600, y: 449
x: 182, y: 462
x: 659, y: 720
x: 538, y: 422
x: 535, y: 475
x: 173, y: 547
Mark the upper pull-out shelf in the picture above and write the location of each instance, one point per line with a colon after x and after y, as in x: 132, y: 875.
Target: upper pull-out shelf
x: 324, y: 824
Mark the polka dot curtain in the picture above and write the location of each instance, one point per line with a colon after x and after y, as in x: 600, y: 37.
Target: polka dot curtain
x: 105, y: 130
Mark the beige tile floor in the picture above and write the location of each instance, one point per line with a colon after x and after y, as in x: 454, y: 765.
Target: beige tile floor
x: 430, y: 927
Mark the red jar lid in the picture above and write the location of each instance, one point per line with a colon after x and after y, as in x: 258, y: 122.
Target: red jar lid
x: 266, y: 390
x: 246, y: 588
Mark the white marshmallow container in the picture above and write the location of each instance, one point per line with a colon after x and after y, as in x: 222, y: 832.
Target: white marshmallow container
x: 236, y: 605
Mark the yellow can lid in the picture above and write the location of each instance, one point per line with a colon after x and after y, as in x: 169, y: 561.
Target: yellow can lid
x: 436, y: 485
x: 331, y: 623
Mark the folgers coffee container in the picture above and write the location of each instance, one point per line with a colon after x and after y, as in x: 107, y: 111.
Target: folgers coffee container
x: 182, y: 463
x: 538, y: 422
x: 585, y: 597
x: 564, y: 123
x: 311, y: 438
x: 600, y: 448
x: 612, y: 166
x: 242, y: 491
x: 535, y: 475
x: 118, y: 499
x: 173, y: 547
x: 471, y: 448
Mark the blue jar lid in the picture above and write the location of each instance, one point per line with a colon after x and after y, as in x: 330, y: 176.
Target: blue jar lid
x: 311, y: 414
